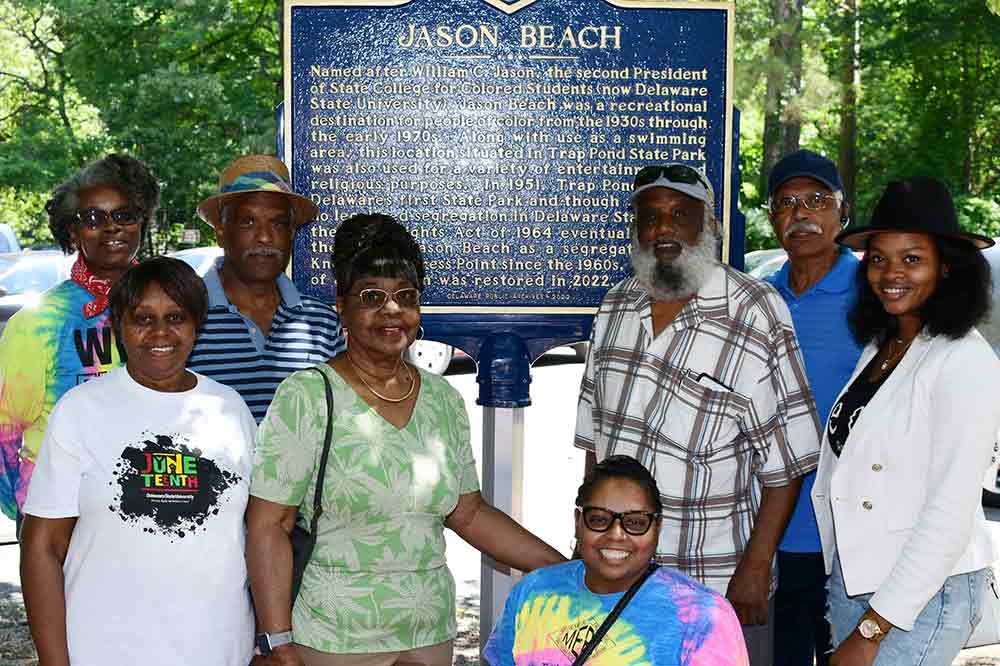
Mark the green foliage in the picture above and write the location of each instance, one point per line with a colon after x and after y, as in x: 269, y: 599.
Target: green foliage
x: 184, y: 86
x: 24, y: 211
x: 760, y: 233
x: 927, y: 100
x: 994, y: 6
x: 981, y: 216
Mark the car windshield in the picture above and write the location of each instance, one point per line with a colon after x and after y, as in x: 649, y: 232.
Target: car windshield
x: 24, y: 276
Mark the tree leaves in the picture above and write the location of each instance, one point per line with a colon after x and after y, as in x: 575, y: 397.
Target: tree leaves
x: 184, y: 86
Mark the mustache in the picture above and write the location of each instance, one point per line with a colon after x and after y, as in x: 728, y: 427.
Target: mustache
x: 263, y: 252
x: 807, y: 227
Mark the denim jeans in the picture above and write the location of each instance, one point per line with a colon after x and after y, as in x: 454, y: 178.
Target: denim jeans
x: 941, y: 629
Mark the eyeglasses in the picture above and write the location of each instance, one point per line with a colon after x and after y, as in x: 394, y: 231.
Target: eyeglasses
x: 814, y: 201
x: 678, y: 173
x: 598, y: 519
x: 92, y: 218
x: 375, y: 299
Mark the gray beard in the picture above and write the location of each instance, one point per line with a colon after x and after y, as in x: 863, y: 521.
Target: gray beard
x: 680, y: 278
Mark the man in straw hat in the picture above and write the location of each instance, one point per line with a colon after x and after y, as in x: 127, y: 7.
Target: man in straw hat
x: 260, y: 328
x: 694, y: 370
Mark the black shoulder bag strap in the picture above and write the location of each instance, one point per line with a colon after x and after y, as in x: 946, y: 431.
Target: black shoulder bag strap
x: 304, y: 542
x: 324, y: 457
x: 591, y: 645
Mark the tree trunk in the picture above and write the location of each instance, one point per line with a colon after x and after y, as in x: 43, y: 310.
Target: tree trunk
x: 850, y: 51
x: 791, y: 119
x: 784, y: 34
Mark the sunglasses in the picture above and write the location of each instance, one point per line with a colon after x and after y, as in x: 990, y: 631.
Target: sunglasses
x: 677, y: 173
x: 94, y: 218
x: 599, y: 519
x: 814, y: 201
x: 375, y: 299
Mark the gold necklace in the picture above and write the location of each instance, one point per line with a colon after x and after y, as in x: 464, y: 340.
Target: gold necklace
x: 895, y: 357
x: 409, y: 377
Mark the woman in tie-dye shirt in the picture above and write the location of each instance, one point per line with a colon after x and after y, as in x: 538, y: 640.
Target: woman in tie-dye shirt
x: 672, y: 620
x: 101, y: 213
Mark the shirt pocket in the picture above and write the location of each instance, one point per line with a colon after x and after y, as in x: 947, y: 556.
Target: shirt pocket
x: 700, y: 416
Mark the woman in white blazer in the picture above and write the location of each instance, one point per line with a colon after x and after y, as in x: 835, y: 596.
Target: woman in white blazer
x: 898, y: 490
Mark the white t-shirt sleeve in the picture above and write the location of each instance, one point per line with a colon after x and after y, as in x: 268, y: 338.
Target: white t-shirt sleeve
x: 55, y: 484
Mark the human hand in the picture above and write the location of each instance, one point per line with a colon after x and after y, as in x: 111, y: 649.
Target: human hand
x: 855, y: 651
x: 748, y: 591
x: 283, y: 655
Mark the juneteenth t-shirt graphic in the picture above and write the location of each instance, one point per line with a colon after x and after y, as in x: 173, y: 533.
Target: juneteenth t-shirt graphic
x: 165, y: 480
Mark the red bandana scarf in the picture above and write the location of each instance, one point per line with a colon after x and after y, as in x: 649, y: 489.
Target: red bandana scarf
x: 97, y: 287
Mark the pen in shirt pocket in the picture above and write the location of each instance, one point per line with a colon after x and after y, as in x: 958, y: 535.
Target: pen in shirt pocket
x: 708, y: 381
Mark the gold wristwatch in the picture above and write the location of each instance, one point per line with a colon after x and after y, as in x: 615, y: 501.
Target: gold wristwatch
x: 869, y: 628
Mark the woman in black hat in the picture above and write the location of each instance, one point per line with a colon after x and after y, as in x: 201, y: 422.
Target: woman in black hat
x: 897, y: 494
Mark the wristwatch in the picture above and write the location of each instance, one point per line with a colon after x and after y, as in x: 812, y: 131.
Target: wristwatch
x: 267, y: 642
x: 869, y: 629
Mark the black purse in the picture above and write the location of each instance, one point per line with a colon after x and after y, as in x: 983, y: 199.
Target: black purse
x: 592, y: 644
x: 303, y: 540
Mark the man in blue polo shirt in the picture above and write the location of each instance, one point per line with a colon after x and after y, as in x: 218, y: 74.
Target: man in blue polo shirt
x: 259, y: 328
x: 807, y: 211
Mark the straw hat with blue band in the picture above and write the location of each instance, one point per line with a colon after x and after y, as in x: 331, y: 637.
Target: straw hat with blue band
x: 256, y: 173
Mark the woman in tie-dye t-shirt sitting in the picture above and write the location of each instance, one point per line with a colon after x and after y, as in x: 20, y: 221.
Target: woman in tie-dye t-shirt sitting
x: 672, y: 620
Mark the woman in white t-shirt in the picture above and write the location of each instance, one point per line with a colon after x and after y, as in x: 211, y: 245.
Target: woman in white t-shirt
x: 132, y: 549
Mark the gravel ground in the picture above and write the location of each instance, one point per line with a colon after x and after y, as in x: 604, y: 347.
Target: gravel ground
x: 16, y: 648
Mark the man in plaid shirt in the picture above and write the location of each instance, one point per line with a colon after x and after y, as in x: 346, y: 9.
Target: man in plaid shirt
x: 694, y: 369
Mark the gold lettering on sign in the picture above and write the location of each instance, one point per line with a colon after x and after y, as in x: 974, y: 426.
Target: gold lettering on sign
x: 587, y: 37
x: 464, y: 36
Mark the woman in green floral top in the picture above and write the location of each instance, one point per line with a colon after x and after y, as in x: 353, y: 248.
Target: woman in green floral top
x: 377, y: 589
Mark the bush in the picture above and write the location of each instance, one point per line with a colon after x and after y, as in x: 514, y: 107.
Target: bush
x: 979, y: 216
x: 759, y: 234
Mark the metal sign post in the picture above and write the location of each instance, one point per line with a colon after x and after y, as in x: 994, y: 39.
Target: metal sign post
x: 503, y: 378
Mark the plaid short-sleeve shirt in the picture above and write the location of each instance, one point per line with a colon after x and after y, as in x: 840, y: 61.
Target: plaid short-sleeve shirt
x: 716, y: 406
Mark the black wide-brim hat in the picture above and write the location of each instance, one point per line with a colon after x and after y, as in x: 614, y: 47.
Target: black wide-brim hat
x: 914, y: 205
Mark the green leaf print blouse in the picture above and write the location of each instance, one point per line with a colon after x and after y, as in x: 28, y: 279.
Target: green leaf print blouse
x: 377, y: 580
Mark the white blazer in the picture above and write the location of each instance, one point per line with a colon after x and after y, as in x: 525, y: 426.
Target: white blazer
x: 902, y: 505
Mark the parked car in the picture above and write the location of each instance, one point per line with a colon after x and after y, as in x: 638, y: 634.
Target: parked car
x: 198, y: 258
x: 8, y: 239
x: 25, y: 275
x: 751, y: 260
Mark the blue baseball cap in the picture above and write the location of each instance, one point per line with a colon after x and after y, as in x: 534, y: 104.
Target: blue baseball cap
x: 807, y: 164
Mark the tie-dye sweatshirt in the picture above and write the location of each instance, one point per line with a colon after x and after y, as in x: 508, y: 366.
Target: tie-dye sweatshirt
x: 45, y: 350
x: 672, y: 621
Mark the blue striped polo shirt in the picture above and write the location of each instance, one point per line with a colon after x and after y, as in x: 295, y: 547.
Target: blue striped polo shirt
x: 231, y: 349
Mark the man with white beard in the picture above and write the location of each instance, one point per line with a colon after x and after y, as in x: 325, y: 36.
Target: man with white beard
x: 819, y: 283
x: 695, y: 371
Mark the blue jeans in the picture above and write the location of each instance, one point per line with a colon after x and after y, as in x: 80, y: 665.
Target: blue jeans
x: 941, y: 629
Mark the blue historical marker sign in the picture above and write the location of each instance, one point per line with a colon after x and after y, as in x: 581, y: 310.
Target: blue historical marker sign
x: 504, y: 134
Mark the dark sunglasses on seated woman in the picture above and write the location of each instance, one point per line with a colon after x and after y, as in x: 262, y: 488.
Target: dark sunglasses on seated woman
x: 375, y: 299
x: 677, y: 173
x: 599, y: 519
x: 92, y: 218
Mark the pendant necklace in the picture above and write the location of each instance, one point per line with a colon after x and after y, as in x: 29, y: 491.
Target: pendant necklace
x: 895, y: 357
x: 409, y: 377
